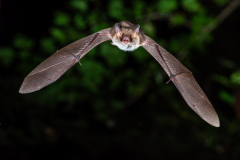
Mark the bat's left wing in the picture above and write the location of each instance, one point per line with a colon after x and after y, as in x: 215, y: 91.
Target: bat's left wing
x: 184, y: 81
x: 56, y: 65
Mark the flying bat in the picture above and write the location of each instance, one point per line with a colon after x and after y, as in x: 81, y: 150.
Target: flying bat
x: 128, y: 37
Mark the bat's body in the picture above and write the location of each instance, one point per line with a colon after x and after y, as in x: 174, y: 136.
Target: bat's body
x: 128, y: 37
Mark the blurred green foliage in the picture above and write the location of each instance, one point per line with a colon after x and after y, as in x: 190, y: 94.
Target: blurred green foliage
x: 167, y: 6
x: 117, y: 103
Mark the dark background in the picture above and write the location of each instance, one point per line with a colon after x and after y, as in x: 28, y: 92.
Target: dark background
x: 117, y: 105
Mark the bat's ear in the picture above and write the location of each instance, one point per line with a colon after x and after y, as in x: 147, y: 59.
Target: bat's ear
x: 117, y: 30
x: 135, y: 33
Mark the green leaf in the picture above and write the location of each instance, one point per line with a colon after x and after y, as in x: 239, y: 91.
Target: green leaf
x: 141, y: 55
x: 226, y: 97
x: 235, y: 77
x: 149, y: 28
x: 139, y: 8
x: 220, y: 79
x: 116, y: 105
x: 167, y: 6
x: 199, y: 21
x: 92, y: 74
x: 191, y: 5
x: 114, y: 58
x: 24, y: 54
x: 177, y: 20
x: 221, y: 2
x: 61, y: 19
x: 92, y: 18
x: 176, y: 44
x: 47, y: 44
x: 58, y: 34
x: 116, y: 9
x: 79, y: 4
x: 79, y: 21
x: 6, y: 56
x: 23, y: 42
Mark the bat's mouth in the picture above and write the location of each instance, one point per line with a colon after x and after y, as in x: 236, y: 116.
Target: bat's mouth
x: 126, y: 40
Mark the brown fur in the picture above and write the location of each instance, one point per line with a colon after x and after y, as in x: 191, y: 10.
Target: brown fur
x: 127, y: 28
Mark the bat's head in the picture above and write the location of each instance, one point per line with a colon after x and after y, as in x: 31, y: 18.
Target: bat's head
x: 126, y: 36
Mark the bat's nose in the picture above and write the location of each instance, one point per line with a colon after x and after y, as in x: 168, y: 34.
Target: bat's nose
x: 126, y: 40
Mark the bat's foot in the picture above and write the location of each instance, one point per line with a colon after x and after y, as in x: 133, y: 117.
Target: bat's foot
x: 171, y: 77
x: 168, y: 81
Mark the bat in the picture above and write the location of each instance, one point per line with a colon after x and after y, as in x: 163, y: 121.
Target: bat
x: 127, y: 37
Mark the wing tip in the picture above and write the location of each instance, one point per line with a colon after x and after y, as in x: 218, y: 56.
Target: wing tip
x: 212, y: 118
x: 23, y: 91
x: 213, y: 121
x: 216, y: 122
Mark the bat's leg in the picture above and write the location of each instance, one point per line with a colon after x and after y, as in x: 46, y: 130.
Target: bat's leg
x: 168, y: 81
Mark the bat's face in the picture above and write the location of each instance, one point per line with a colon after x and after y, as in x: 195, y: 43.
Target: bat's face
x: 126, y: 36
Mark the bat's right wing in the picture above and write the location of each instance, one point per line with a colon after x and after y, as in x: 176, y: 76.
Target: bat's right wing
x: 184, y: 81
x: 56, y: 65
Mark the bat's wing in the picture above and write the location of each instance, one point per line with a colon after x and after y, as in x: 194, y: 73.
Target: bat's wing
x: 184, y: 81
x: 56, y: 65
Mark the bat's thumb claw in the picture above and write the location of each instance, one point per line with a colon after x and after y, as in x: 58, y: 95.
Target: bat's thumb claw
x: 80, y: 63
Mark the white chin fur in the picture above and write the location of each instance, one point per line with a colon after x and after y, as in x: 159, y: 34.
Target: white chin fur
x: 125, y: 47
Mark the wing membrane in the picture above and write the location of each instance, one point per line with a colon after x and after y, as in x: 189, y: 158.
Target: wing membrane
x: 184, y: 81
x: 56, y: 65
